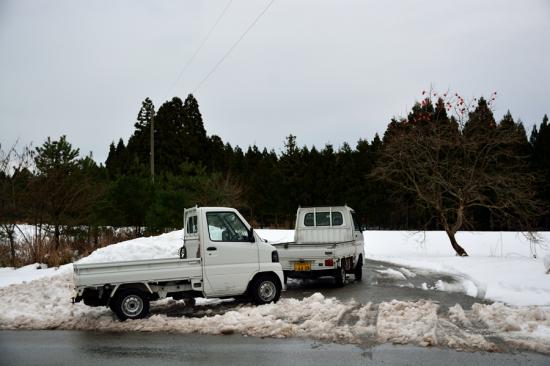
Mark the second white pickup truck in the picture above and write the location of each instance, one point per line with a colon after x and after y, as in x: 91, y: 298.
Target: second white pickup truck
x: 327, y: 242
x: 222, y: 257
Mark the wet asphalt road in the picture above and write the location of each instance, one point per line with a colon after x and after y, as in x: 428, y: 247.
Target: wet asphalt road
x: 377, y: 287
x: 59, y: 348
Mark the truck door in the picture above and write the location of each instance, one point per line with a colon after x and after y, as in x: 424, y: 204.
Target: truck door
x: 191, y: 233
x: 230, y: 259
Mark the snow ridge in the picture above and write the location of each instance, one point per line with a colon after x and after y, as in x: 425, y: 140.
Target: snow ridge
x: 45, y: 304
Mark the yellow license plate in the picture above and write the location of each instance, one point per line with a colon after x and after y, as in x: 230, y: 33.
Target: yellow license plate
x: 302, y: 266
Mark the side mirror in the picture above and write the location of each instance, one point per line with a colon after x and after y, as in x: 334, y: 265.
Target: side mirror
x: 251, y: 235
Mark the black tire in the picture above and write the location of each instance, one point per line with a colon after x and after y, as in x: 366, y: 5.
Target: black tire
x: 358, y: 272
x: 340, y: 277
x: 265, y: 289
x: 130, y: 304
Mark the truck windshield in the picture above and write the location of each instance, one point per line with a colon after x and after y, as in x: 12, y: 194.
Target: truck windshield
x: 226, y: 226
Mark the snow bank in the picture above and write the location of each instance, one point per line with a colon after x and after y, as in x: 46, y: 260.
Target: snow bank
x: 153, y: 247
x: 45, y: 304
x: 31, y: 272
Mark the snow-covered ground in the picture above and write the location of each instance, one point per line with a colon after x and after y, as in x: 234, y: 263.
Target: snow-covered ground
x: 500, y: 267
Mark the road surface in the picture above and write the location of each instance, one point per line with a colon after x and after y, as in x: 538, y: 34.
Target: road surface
x: 72, y: 348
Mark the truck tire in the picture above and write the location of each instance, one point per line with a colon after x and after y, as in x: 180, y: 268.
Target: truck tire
x: 340, y: 277
x: 265, y: 289
x: 130, y: 304
x: 358, y: 272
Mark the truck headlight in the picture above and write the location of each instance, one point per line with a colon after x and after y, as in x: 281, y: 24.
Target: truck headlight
x: 274, y: 256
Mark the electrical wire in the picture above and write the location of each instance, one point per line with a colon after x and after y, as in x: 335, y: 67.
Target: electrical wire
x: 205, y: 39
x: 233, y: 46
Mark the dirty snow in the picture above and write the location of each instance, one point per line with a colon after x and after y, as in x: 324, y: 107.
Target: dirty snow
x: 45, y: 304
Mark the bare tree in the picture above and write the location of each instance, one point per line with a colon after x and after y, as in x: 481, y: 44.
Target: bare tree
x: 220, y: 190
x: 455, y: 165
x: 14, y: 178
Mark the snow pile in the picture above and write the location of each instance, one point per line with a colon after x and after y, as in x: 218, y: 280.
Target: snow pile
x: 527, y: 327
x: 27, y: 273
x: 501, y: 266
x: 45, y: 304
x: 402, y: 322
x: 153, y: 247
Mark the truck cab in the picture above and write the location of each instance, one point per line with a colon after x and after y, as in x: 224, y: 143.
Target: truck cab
x: 230, y: 250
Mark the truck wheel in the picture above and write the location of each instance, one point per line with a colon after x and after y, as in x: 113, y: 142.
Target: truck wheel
x: 340, y: 277
x: 130, y: 304
x: 358, y: 272
x: 265, y: 289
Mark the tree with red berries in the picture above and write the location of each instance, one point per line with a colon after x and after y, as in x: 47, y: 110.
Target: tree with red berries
x: 454, y: 159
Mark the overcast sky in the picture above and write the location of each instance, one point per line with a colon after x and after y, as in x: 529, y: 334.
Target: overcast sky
x: 326, y: 71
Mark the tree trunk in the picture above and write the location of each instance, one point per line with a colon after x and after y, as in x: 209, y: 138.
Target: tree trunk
x: 56, y: 236
x: 96, y: 237
x: 12, y: 248
x: 458, y: 249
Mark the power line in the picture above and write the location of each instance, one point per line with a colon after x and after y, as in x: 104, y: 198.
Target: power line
x: 233, y: 46
x: 205, y: 39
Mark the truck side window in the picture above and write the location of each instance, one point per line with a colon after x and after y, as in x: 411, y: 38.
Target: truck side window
x: 308, y: 219
x: 337, y: 218
x: 225, y: 226
x: 191, y: 225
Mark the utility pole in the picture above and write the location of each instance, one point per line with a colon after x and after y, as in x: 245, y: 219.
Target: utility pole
x: 152, y: 146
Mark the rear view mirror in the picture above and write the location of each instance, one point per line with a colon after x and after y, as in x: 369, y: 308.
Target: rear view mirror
x: 251, y: 235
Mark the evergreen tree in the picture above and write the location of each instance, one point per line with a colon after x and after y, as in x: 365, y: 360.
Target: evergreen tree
x: 135, y: 157
x: 194, y: 134
x: 540, y: 161
x: 61, y: 188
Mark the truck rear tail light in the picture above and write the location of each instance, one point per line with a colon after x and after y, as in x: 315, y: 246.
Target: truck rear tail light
x: 329, y: 262
x: 274, y: 256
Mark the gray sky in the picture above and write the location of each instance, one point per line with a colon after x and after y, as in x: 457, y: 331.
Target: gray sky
x: 326, y: 71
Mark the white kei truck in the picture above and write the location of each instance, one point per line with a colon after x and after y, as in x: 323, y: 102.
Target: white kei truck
x: 221, y: 257
x: 327, y: 242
